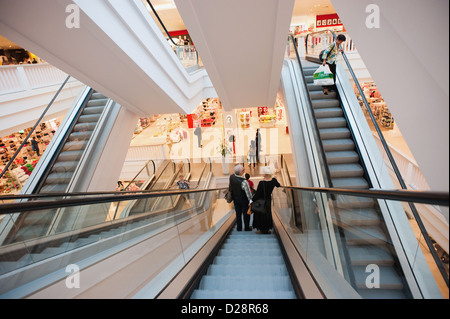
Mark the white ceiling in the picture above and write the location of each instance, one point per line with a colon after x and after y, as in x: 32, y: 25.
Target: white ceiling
x: 242, y: 52
x: 171, y: 18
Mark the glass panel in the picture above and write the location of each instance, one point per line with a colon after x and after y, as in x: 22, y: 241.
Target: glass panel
x: 357, y: 246
x: 69, y: 235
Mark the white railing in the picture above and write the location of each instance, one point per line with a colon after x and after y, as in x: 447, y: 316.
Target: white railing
x: 318, y: 42
x: 27, y: 77
x: 145, y: 153
x: 409, y: 169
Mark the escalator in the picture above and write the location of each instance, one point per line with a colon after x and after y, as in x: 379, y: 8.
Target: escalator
x: 61, y: 169
x: 247, y: 266
x: 58, y: 167
x: 146, y: 255
x: 164, y: 179
x: 110, y: 228
x: 363, y: 232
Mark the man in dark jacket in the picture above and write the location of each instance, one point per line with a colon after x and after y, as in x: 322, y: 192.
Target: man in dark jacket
x: 242, y: 197
x: 35, y: 146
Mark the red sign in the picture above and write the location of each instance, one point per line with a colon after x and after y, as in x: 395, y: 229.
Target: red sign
x: 328, y: 20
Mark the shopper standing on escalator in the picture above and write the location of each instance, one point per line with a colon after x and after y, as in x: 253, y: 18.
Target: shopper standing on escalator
x: 329, y: 58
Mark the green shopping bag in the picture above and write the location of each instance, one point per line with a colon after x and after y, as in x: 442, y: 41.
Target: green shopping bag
x: 323, y: 76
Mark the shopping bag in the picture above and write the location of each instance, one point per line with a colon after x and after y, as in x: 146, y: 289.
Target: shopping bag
x: 323, y: 76
x: 259, y: 206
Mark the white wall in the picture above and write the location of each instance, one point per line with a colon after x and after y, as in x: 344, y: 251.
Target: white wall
x: 25, y: 92
x: 407, y: 57
x: 118, y: 50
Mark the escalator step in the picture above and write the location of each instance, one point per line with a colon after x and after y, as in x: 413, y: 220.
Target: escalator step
x: 358, y: 217
x: 353, y: 183
x: 346, y: 170
x: 97, y: 95
x: 93, y: 110
x: 74, y: 146
x: 332, y: 122
x: 89, y: 118
x: 365, y: 235
x: 59, y: 178
x: 80, y: 136
x: 325, y: 103
x: 53, y: 188
x: 248, y: 260
x: 97, y: 102
x: 224, y: 270
x: 317, y: 93
x: 238, y: 294
x: 366, y: 255
x: 255, y: 282
x: 342, y: 157
x: 338, y: 145
x: 69, y: 156
x: 84, y: 127
x: 335, y: 133
x: 250, y: 251
x: 389, y: 278
x: 328, y: 112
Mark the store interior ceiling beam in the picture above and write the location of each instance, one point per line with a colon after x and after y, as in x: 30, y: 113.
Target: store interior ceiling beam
x: 242, y: 46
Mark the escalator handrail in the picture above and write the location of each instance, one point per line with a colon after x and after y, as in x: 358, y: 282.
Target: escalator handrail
x: 165, y: 29
x: 202, y: 173
x: 316, y: 126
x: 391, y: 160
x: 110, y: 198
x: 146, y: 164
x: 432, y: 198
x: 25, y: 141
x: 424, y: 197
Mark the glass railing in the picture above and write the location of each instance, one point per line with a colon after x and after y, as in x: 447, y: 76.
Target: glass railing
x: 85, y: 226
x: 315, y: 42
x: 346, y: 252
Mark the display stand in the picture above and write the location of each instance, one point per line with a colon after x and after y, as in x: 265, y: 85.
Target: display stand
x: 244, y: 119
x: 268, y: 120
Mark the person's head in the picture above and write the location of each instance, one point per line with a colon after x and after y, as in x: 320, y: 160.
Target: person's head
x: 252, y: 143
x: 267, y: 172
x: 247, y: 176
x: 340, y: 38
x: 239, y: 170
x: 181, y: 177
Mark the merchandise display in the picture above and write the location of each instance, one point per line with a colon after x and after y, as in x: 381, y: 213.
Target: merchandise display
x: 244, y: 119
x: 267, y: 120
x: 27, y: 158
x: 205, y: 115
x: 377, y: 105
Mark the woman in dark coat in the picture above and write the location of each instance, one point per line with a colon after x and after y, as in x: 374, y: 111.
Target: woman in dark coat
x: 263, y: 222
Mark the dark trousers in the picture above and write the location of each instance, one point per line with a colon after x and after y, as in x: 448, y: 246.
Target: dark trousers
x: 241, y: 207
x: 333, y: 70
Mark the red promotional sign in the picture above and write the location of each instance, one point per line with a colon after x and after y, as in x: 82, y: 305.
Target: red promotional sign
x: 328, y: 20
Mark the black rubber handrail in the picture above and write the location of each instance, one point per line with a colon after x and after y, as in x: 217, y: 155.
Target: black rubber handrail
x: 165, y: 29
x: 391, y: 160
x: 316, y: 126
x: 25, y: 141
x: 432, y: 198
x: 144, y: 167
